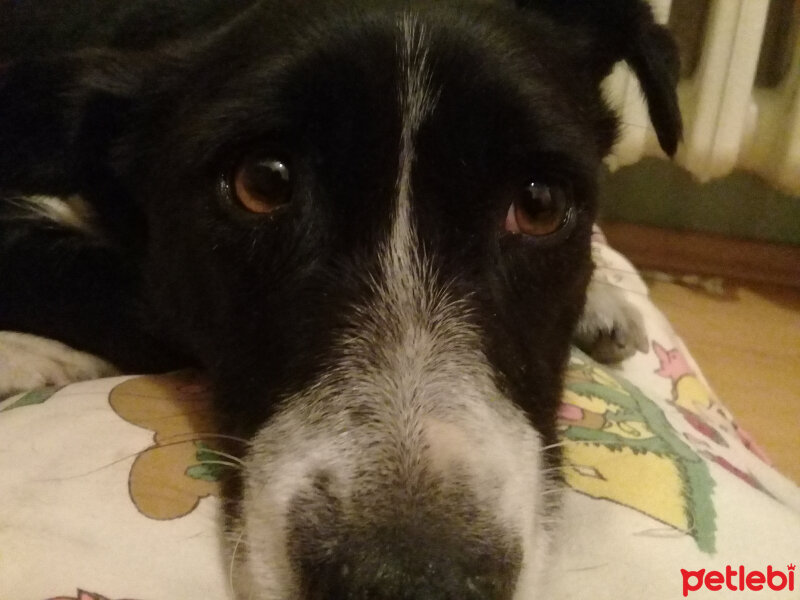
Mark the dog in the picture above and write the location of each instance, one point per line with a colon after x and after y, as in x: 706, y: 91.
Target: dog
x: 369, y: 222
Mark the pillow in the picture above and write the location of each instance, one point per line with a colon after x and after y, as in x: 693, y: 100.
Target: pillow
x: 110, y: 487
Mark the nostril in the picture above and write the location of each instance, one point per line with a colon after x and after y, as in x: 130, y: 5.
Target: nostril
x: 376, y: 547
x: 408, y: 574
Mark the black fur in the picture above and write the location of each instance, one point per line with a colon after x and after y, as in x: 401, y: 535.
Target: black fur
x: 146, y: 130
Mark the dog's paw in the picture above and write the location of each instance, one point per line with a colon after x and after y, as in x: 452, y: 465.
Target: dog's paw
x: 28, y: 362
x: 611, y: 329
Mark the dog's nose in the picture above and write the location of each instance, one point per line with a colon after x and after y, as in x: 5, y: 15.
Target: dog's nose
x: 383, y: 548
x: 397, y: 566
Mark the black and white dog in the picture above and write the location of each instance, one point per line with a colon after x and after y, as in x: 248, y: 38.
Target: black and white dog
x: 368, y: 220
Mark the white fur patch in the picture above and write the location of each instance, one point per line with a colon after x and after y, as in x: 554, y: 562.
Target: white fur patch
x: 28, y: 362
x: 69, y: 211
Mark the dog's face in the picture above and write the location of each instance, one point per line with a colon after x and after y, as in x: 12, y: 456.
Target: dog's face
x: 370, y: 221
x: 378, y: 225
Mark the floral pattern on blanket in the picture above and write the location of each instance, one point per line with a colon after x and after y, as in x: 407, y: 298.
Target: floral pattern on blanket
x: 714, y: 428
x: 619, y: 446
x: 168, y: 479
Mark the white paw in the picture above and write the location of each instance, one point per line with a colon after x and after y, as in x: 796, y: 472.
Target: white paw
x: 611, y: 329
x: 28, y: 362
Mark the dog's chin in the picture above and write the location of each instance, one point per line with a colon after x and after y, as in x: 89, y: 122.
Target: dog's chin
x: 453, y: 508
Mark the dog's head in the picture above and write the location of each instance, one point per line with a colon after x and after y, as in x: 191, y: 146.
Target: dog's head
x: 370, y: 221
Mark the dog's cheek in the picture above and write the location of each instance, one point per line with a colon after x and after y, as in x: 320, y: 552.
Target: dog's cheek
x: 528, y: 312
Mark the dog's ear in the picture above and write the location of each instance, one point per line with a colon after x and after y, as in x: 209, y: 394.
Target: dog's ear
x: 59, y: 116
x: 626, y: 30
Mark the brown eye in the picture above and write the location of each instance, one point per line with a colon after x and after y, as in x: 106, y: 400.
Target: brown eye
x: 262, y: 184
x: 539, y: 210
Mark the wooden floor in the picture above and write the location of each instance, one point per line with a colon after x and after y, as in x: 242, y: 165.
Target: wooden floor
x: 745, y: 335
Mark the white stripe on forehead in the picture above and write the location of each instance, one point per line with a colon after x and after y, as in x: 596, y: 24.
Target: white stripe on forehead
x: 416, y: 98
x: 416, y: 102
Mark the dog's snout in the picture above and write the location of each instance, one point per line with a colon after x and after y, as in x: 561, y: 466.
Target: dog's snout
x: 383, y: 548
x: 405, y: 472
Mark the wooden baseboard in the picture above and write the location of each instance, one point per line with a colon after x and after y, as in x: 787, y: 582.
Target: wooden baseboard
x: 705, y: 254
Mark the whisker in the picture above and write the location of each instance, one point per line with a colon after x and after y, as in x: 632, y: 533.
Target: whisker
x: 181, y: 439
x: 197, y: 436
x: 555, y: 445
x: 233, y: 538
x: 232, y: 565
x: 231, y: 457
x: 591, y: 568
x: 220, y: 462
x: 621, y: 287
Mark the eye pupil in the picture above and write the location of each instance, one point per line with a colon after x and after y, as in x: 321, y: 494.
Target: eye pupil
x: 276, y: 169
x: 538, y: 203
x: 262, y: 185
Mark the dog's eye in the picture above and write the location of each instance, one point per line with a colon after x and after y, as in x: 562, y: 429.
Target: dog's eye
x: 262, y: 184
x: 539, y: 210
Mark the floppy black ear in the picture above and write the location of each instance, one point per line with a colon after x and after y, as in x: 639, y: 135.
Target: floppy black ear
x: 58, y: 117
x: 625, y: 30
